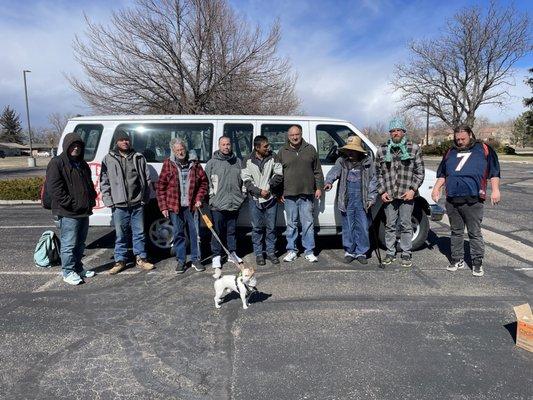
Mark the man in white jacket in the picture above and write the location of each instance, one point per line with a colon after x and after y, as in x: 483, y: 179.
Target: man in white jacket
x: 262, y: 174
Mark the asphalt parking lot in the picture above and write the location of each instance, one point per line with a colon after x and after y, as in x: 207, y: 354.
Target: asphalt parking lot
x: 316, y: 331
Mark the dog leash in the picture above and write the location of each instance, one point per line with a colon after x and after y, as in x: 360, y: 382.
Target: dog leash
x: 209, y: 225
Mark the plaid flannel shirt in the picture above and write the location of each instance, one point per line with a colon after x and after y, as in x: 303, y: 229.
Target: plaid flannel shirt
x: 168, y: 189
x: 398, y: 176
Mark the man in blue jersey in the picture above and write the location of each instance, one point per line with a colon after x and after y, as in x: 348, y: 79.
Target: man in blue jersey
x: 464, y: 171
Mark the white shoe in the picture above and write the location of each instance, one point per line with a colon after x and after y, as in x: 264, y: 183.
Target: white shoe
x: 72, y: 278
x: 218, y: 273
x: 235, y: 257
x: 291, y: 256
x: 216, y: 262
x: 87, y: 273
x: 311, y: 257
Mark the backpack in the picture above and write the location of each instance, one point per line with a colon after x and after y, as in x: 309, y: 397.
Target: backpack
x: 46, y: 252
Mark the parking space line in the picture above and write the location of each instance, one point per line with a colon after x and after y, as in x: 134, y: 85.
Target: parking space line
x: 512, y: 246
x: 26, y: 226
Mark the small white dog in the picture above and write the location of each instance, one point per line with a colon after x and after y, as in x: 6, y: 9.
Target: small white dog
x: 244, y: 283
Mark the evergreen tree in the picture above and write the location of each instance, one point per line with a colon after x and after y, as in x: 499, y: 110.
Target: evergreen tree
x: 10, y: 127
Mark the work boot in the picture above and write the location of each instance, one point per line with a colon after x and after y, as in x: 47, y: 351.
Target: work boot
x: 406, y: 261
x: 119, y: 266
x: 348, y: 258
x: 197, y: 265
x: 362, y: 259
x: 260, y: 260
x: 389, y: 259
x: 143, y: 263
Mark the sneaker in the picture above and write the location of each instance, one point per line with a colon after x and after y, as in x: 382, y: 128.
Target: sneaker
x: 362, y: 259
x: 260, y: 260
x: 197, y: 265
x: 143, y: 263
x: 87, y: 273
x: 218, y: 273
x: 291, y: 256
x: 389, y: 260
x: 348, y: 258
x: 119, y: 266
x: 235, y: 257
x: 406, y: 262
x: 72, y: 278
x: 455, y: 265
x: 477, y: 267
x: 311, y: 257
x: 180, y: 267
x: 216, y: 262
x: 272, y: 258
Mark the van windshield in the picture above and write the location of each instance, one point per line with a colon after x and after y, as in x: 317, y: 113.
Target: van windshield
x: 153, y: 139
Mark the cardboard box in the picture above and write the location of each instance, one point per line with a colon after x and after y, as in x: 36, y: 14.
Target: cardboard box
x: 524, y: 327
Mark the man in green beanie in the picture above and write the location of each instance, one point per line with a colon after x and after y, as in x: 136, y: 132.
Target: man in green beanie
x: 400, y: 171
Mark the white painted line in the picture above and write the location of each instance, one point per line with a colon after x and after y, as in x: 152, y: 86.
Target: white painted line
x: 47, y: 285
x: 524, y: 269
x: 27, y: 226
x: 513, y: 246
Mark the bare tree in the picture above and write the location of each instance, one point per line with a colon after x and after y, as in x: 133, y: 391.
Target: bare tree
x: 185, y: 57
x: 468, y: 66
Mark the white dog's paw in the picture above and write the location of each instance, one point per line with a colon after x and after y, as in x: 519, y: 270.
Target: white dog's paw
x: 245, y: 307
x: 218, y: 306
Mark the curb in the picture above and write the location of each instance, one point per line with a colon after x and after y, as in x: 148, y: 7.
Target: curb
x: 18, y: 202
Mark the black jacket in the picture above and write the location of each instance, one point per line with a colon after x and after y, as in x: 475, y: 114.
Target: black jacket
x: 68, y: 181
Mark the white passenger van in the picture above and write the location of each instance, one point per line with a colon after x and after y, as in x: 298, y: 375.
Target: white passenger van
x: 151, y: 134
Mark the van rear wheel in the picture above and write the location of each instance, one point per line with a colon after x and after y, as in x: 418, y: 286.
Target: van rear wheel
x: 159, y: 235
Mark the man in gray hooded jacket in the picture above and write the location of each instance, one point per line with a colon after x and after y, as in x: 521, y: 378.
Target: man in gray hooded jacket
x: 225, y: 198
x: 125, y: 187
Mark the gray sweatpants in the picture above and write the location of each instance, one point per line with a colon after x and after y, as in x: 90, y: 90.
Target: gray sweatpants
x: 403, y: 209
x: 470, y: 215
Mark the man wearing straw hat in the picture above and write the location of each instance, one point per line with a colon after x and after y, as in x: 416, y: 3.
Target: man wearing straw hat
x: 356, y: 193
x: 400, y: 170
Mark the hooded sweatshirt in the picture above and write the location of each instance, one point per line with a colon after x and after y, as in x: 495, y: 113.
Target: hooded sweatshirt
x: 225, y: 183
x: 302, y: 172
x: 69, y: 183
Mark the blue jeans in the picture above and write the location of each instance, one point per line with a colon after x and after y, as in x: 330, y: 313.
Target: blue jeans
x: 73, y: 232
x: 184, y: 220
x: 224, y: 223
x: 264, y: 219
x: 355, y: 238
x: 300, y: 207
x: 129, y: 223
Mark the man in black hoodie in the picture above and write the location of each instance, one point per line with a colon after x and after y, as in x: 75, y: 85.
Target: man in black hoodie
x: 68, y: 180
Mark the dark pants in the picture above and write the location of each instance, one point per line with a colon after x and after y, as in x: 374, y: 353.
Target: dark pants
x: 470, y: 215
x: 264, y: 219
x: 182, y: 222
x: 224, y: 223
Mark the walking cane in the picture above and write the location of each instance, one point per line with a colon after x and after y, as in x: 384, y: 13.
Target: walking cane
x: 376, y: 240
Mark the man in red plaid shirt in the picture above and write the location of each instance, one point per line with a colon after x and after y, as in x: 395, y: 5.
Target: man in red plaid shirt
x: 180, y: 191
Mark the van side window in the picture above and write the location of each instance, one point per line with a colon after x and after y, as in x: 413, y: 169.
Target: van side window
x: 329, y: 138
x: 153, y: 139
x: 241, y: 138
x: 276, y: 134
x: 90, y: 134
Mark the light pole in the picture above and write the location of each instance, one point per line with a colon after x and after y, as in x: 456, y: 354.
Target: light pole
x: 31, y: 160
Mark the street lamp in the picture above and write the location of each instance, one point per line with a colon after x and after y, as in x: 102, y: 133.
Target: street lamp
x: 31, y: 160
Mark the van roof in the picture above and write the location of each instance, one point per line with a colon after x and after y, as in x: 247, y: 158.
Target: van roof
x: 203, y: 117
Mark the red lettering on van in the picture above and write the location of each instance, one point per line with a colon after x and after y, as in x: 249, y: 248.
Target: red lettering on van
x: 95, y: 171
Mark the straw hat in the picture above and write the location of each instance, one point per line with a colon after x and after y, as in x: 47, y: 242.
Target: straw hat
x: 353, y: 143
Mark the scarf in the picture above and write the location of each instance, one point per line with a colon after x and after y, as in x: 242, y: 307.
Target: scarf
x: 402, y: 146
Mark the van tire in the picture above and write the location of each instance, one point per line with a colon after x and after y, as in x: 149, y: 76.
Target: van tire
x: 158, y: 232
x: 420, y: 224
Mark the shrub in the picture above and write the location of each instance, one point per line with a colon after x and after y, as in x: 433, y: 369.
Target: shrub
x: 437, y: 149
x: 21, y: 189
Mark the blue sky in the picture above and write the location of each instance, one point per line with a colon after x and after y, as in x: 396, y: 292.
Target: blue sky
x: 342, y: 51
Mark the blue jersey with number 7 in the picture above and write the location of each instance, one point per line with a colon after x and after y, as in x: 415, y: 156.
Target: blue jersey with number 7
x: 467, y: 171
